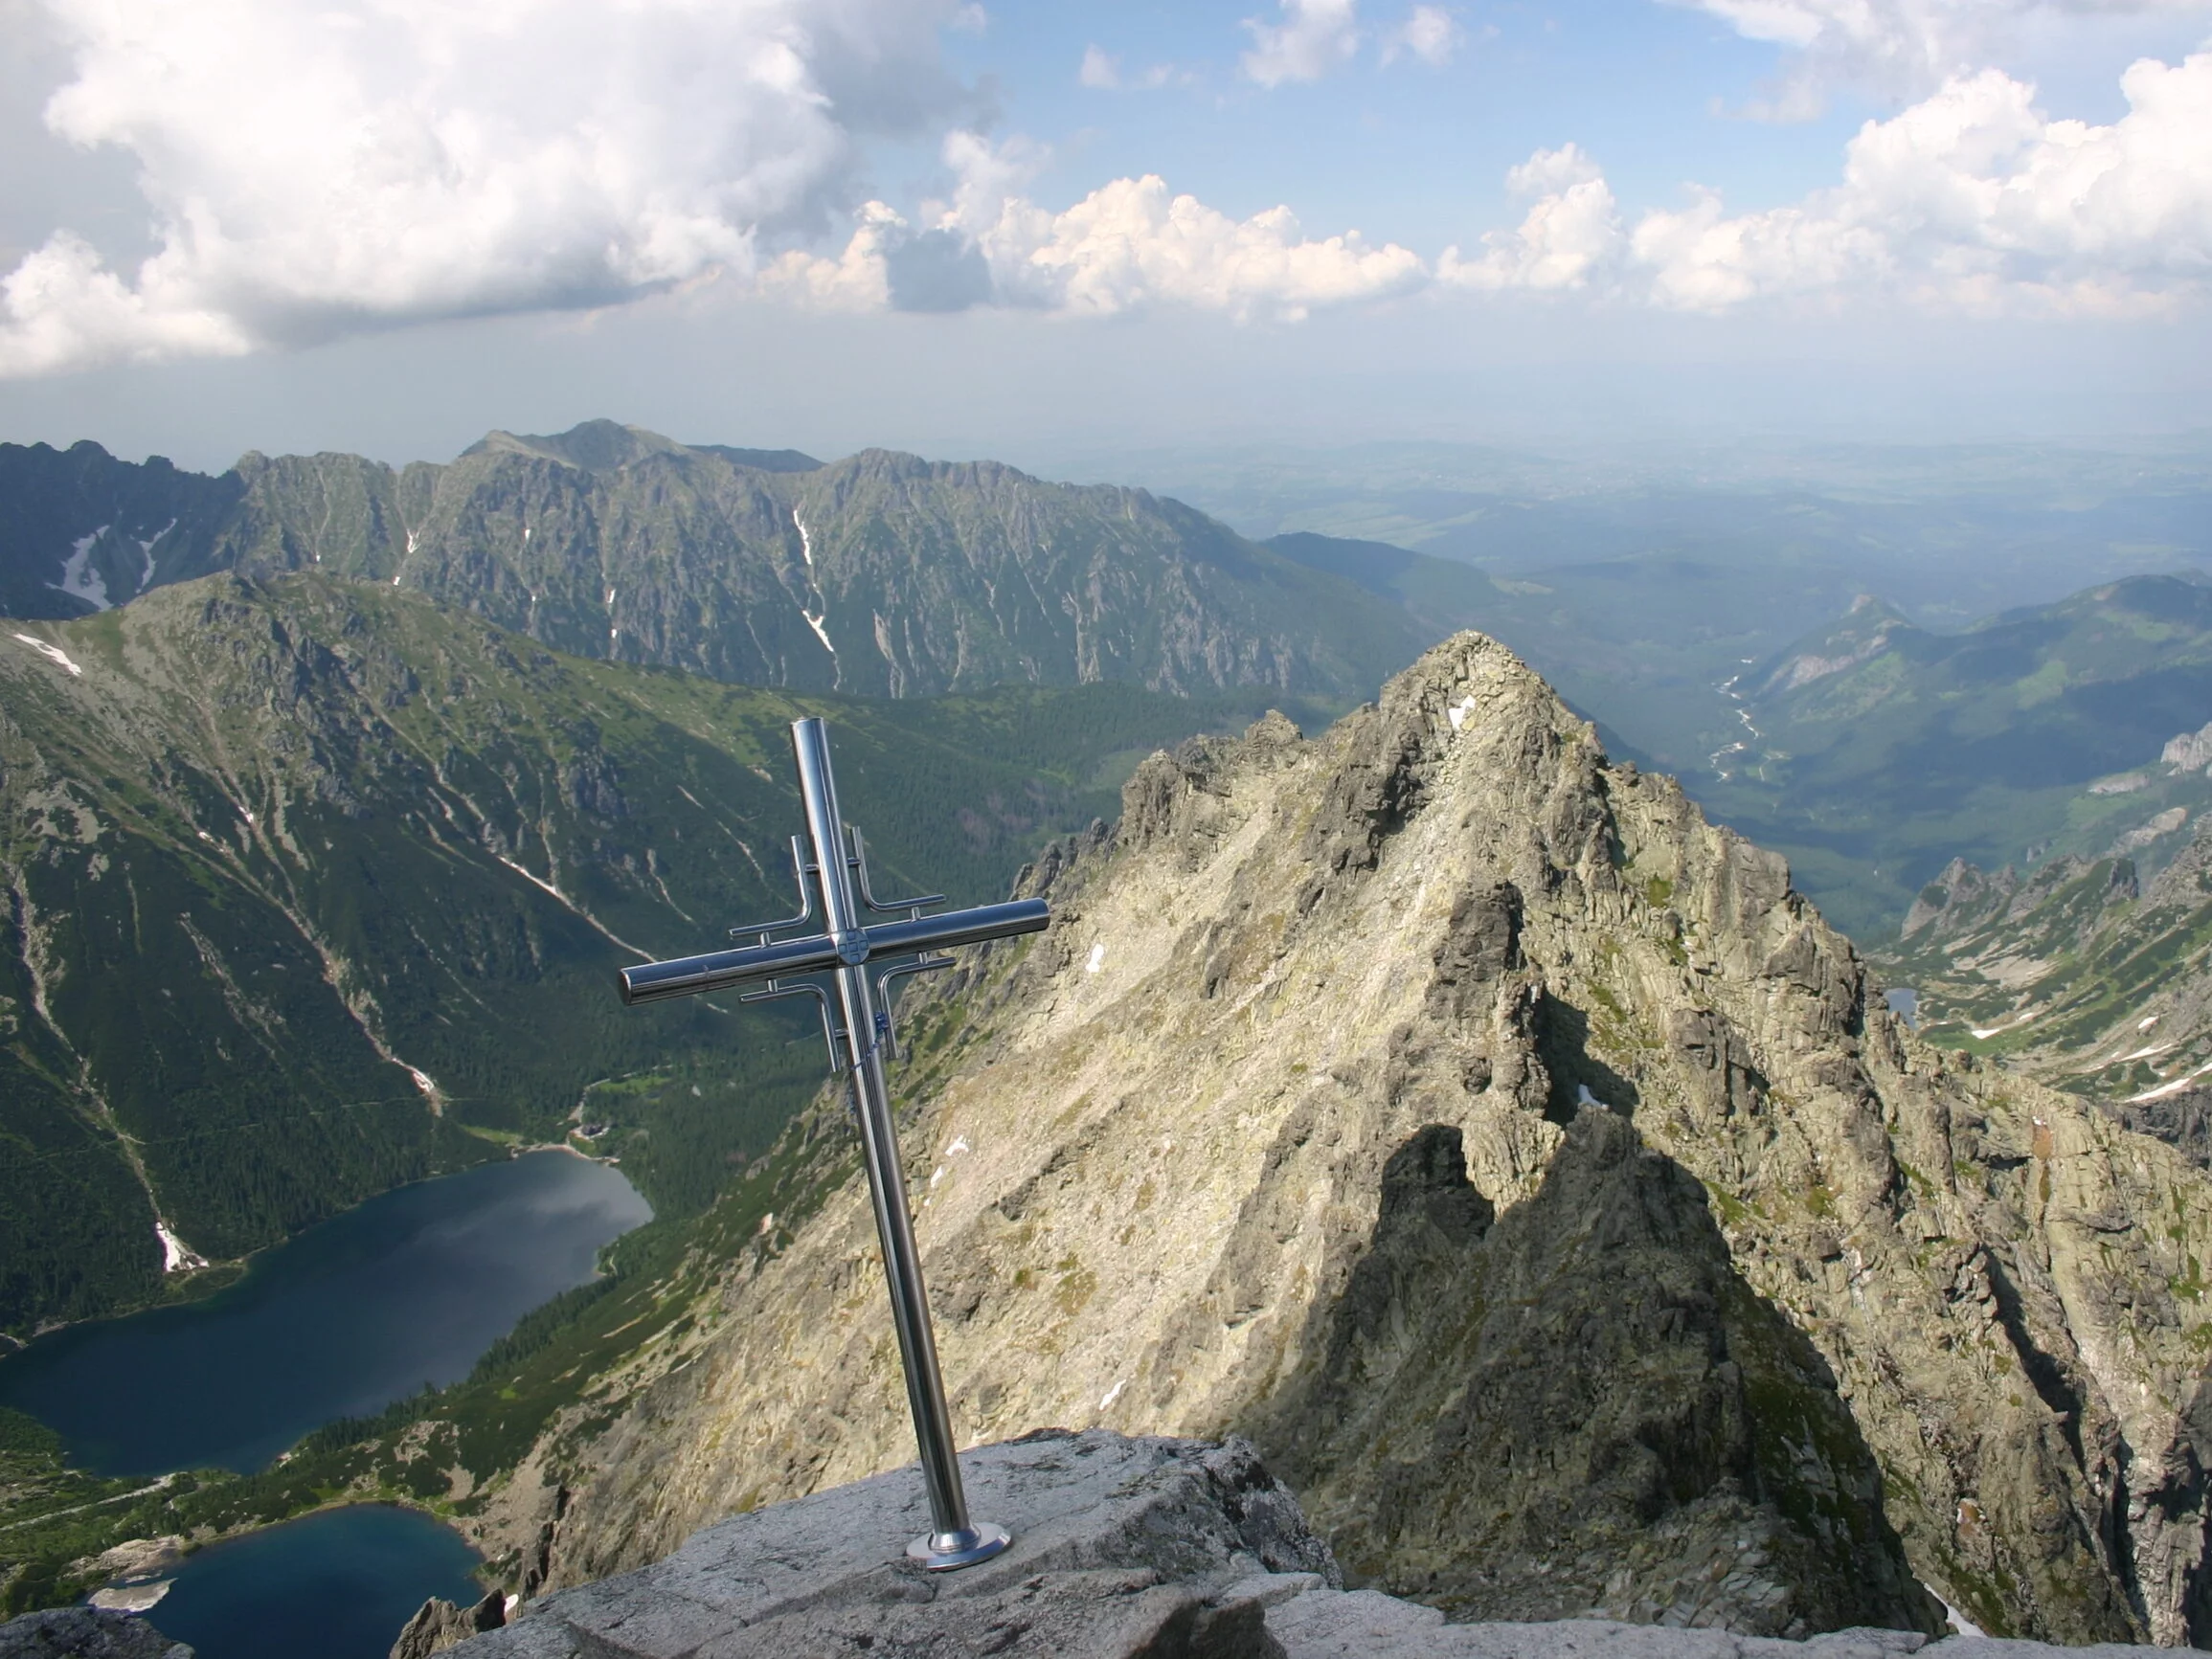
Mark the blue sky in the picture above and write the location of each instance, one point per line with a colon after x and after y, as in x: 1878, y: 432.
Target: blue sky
x: 386, y: 224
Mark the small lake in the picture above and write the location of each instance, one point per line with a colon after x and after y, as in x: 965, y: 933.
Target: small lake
x: 334, y: 1586
x: 407, y: 1288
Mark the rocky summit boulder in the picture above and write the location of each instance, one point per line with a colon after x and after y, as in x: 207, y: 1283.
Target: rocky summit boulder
x: 1124, y: 1549
x: 1535, y: 1178
x: 85, y: 1634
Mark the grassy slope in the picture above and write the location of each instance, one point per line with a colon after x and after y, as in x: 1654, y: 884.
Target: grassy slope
x: 1981, y: 745
x: 274, y: 834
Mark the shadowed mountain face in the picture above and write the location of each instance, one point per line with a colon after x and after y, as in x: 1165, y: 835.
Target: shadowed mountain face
x: 313, y: 887
x: 880, y: 574
x: 1530, y: 1171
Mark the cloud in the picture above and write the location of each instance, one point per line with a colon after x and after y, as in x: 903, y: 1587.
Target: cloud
x: 1429, y: 33
x: 1974, y: 198
x: 1102, y: 72
x: 315, y: 168
x: 1128, y: 246
x: 1099, y: 71
x: 1570, y: 239
x: 1314, y: 37
x: 1903, y: 49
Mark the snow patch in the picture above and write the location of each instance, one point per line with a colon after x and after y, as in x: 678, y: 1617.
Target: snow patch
x: 805, y: 541
x: 176, y: 1256
x: 819, y: 631
x: 1097, y: 960
x: 2175, y: 1087
x: 77, y: 580
x: 147, y: 547
x: 425, y: 1083
x: 130, y: 1597
x: 935, y: 1175
x: 1457, y: 714
x: 55, y: 652
x: 1958, y: 1622
x: 534, y: 881
x: 1113, y: 1394
x: 2146, y: 1024
x: 1982, y: 1032
x: 960, y: 1145
x: 2139, y: 1054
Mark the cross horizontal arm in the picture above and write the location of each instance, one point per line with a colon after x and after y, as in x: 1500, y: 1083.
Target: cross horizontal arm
x: 719, y: 969
x: 974, y: 927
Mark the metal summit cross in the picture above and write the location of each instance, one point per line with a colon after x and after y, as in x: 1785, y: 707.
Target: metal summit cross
x: 838, y: 869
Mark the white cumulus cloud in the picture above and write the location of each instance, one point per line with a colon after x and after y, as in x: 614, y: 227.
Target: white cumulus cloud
x: 1102, y: 72
x: 1429, y: 33
x: 1314, y: 37
x: 315, y: 167
x: 1975, y: 198
x: 1127, y: 246
x: 1570, y: 238
x: 1898, y: 48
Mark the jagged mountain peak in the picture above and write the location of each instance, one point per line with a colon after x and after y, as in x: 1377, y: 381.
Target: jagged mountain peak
x: 592, y: 446
x: 1531, y: 1171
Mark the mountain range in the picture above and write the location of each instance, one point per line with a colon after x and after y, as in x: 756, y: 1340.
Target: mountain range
x: 2081, y: 971
x: 1873, y: 751
x: 1531, y: 1172
x: 290, y: 862
x: 1441, y: 1099
x: 880, y: 574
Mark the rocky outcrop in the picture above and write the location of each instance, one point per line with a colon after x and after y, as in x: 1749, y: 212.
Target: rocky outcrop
x: 1536, y: 1178
x: 1124, y: 1549
x: 85, y: 1634
x: 1121, y: 1547
x: 438, y: 1625
x: 2082, y: 975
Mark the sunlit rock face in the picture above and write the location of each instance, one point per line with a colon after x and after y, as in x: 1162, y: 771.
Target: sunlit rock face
x: 1535, y: 1178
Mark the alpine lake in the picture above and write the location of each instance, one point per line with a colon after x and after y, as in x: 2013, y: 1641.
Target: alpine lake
x: 404, y: 1290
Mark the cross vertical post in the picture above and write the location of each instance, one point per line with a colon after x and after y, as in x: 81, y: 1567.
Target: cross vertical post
x: 846, y: 948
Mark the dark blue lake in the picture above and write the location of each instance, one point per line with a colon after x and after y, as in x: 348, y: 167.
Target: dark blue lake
x: 408, y: 1288
x: 334, y: 1586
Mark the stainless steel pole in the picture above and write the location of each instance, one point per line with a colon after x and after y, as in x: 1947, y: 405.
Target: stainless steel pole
x: 954, y: 1540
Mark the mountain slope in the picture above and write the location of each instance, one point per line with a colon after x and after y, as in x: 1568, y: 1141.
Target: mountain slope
x: 879, y: 574
x: 313, y: 888
x: 2082, y: 975
x: 1875, y: 751
x: 1531, y: 1172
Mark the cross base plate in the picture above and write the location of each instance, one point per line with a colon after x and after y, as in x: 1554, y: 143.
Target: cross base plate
x: 943, y: 1552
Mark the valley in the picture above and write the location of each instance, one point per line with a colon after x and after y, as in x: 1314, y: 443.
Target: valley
x: 1370, y: 1051
x: 316, y: 887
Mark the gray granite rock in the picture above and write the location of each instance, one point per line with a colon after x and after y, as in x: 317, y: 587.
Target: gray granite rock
x: 1121, y: 1547
x: 1124, y: 1549
x: 85, y: 1634
x: 438, y: 1625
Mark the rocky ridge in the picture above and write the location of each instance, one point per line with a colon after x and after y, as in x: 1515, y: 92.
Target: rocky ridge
x: 1535, y: 1178
x: 880, y: 574
x: 2082, y: 973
